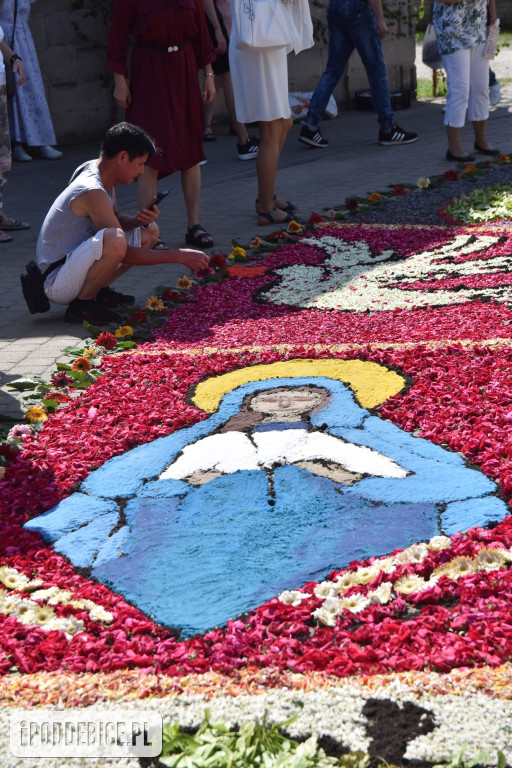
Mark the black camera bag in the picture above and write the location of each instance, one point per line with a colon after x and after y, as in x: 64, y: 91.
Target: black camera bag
x: 32, y: 285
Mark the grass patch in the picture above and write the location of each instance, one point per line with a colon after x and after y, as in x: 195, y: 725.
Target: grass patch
x: 424, y: 88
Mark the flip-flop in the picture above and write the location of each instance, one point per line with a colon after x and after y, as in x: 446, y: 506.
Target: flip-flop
x: 5, y: 238
x: 198, y: 237
x: 14, y: 226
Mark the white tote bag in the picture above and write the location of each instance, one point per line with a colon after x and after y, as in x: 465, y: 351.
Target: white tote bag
x: 264, y: 24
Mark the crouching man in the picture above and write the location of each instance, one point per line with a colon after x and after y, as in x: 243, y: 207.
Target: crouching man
x: 98, y: 243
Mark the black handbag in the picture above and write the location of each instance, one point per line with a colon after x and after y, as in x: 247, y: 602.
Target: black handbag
x: 10, y: 80
x: 32, y: 285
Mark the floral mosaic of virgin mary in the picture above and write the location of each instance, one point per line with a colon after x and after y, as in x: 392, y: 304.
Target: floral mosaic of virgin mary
x: 288, y: 478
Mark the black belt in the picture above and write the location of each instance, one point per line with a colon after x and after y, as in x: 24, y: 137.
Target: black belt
x: 52, y: 267
x: 166, y: 48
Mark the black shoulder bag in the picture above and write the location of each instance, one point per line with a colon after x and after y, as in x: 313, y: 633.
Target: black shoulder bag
x: 32, y: 285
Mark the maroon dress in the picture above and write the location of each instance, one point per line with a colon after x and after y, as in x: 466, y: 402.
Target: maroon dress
x: 166, y: 98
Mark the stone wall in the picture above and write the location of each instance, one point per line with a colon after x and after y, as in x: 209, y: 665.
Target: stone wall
x: 73, y: 68
x: 79, y: 88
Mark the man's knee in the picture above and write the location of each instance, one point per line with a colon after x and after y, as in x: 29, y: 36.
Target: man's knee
x: 114, y: 244
x: 149, y: 237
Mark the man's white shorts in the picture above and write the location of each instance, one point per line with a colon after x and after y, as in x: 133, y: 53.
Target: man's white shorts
x: 64, y: 284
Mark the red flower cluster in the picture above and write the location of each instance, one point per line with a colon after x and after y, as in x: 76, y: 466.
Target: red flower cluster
x: 106, y: 340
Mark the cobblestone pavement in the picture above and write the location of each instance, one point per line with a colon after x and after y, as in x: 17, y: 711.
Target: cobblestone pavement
x: 353, y: 164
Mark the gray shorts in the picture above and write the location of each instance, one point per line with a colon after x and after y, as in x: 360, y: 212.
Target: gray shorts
x: 64, y: 284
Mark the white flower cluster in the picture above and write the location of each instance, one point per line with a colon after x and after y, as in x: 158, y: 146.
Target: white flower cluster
x: 331, y: 592
x: 352, y: 278
x: 32, y: 613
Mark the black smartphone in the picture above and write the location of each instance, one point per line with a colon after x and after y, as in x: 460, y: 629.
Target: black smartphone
x: 157, y: 199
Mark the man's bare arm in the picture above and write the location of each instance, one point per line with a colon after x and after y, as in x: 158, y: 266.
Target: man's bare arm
x: 190, y: 258
x: 96, y: 205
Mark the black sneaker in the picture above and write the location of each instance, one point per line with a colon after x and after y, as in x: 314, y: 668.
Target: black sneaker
x: 249, y: 150
x: 312, y: 138
x: 396, y: 135
x: 107, y: 297
x: 88, y: 309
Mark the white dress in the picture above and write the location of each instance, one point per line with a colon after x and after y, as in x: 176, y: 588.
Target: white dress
x: 260, y: 78
x: 29, y: 114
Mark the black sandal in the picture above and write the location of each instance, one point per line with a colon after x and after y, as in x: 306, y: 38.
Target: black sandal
x: 270, y: 218
x: 208, y: 134
x: 198, y: 237
x: 288, y: 206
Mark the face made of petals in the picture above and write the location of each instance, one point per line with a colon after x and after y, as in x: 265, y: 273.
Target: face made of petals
x: 288, y: 402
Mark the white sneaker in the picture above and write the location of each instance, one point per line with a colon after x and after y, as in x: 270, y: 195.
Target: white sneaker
x: 494, y: 93
x: 49, y: 153
x: 19, y: 154
x: 203, y: 162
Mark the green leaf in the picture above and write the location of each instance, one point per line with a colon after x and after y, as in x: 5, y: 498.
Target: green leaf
x: 92, y: 329
x: 23, y: 384
x: 63, y: 367
x: 126, y: 344
x: 50, y: 403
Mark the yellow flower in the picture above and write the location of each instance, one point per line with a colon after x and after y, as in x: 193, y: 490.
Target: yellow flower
x: 11, y: 579
x: 43, y: 614
x: 90, y: 352
x: 459, y: 566
x: 36, y: 413
x: 423, y: 182
x: 374, y: 197
x: 490, y: 559
x: 155, y: 304
x: 355, y: 603
x: 410, y: 583
x: 255, y: 242
x: 124, y: 330
x: 237, y: 251
x: 294, y: 227
x: 505, y: 159
x: 344, y: 582
x: 81, y: 364
x: 184, y: 282
x: 437, y: 543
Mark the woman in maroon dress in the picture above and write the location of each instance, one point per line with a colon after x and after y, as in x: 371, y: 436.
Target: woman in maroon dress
x: 163, y: 96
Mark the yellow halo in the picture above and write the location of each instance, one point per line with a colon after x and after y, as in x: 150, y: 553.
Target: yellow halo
x: 371, y: 383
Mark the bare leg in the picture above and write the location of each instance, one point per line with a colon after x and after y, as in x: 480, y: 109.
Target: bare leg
x: 480, y: 129
x: 454, y: 144
x: 191, y: 186
x: 103, y: 271
x: 272, y: 137
x: 146, y: 186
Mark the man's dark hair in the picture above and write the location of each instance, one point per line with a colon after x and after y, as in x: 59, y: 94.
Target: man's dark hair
x: 125, y: 137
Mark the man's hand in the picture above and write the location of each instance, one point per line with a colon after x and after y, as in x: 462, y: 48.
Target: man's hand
x: 147, y: 215
x: 194, y: 260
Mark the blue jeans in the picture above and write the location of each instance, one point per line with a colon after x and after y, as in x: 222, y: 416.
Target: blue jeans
x: 352, y: 25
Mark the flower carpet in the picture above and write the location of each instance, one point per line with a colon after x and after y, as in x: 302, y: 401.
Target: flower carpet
x: 302, y: 483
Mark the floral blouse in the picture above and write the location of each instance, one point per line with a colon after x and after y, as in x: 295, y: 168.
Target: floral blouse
x: 460, y: 25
